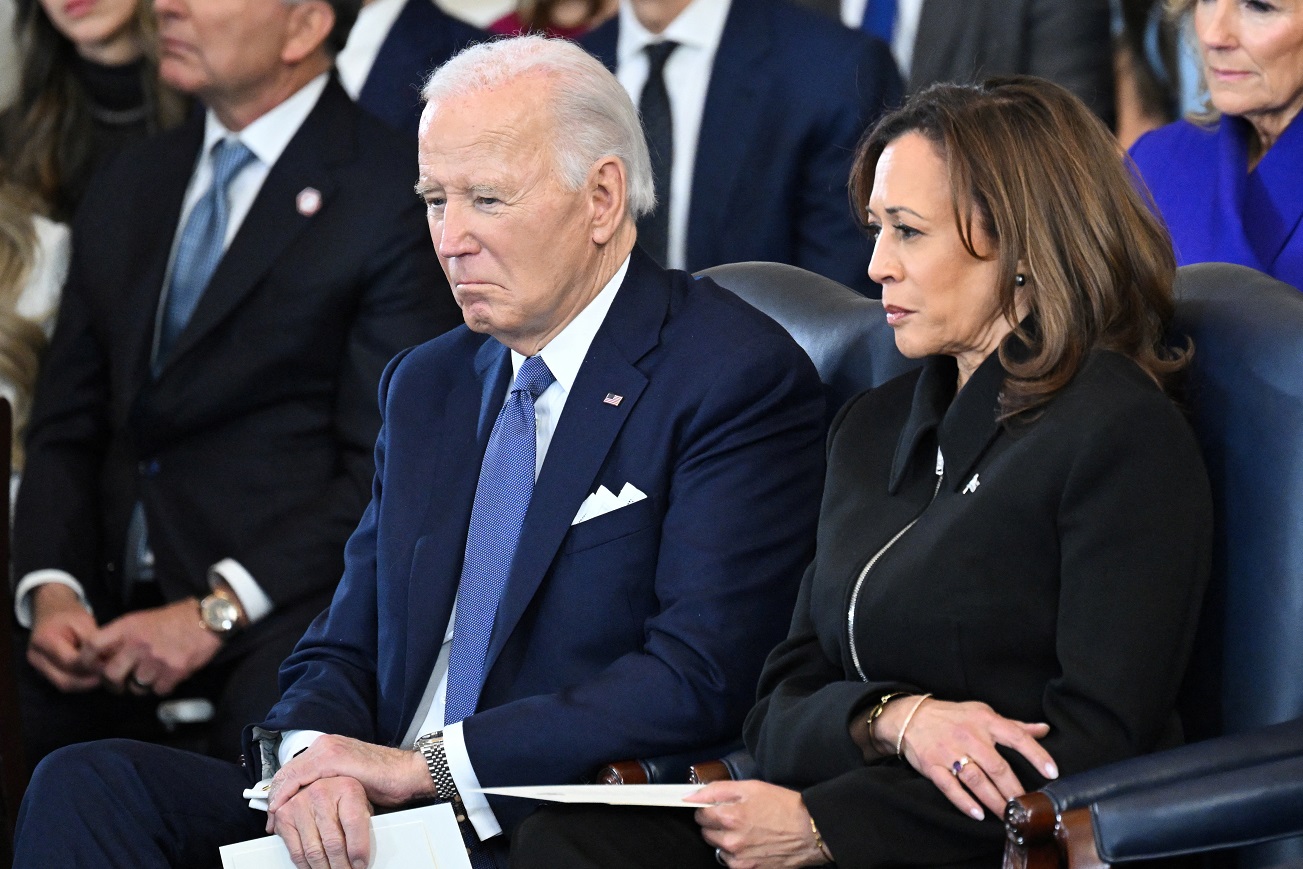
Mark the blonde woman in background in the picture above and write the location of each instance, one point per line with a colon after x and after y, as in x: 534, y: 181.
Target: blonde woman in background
x: 33, y: 263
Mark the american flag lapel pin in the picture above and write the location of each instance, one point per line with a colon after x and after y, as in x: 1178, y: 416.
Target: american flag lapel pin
x: 612, y: 399
x: 308, y: 201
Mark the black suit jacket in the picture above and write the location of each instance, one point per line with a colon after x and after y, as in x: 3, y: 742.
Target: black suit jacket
x: 778, y: 136
x: 254, y: 441
x: 1055, y: 573
x: 421, y: 39
x: 1065, y: 41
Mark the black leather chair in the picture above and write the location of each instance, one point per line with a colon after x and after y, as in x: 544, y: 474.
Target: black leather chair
x: 1245, y: 395
x: 853, y: 349
x: 845, y: 334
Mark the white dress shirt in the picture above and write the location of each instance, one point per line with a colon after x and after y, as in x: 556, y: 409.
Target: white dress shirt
x: 903, y: 35
x: 267, y: 137
x: 564, y: 355
x: 697, y: 29
x: 369, y: 31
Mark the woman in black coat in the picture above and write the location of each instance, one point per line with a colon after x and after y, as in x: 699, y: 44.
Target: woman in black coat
x: 1014, y: 539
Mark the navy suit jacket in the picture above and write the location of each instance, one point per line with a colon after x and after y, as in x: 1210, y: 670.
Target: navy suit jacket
x: 790, y: 95
x: 640, y: 632
x: 421, y: 38
x: 1215, y: 208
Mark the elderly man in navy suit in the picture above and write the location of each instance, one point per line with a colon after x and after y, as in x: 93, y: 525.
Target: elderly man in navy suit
x: 753, y: 109
x: 590, y: 512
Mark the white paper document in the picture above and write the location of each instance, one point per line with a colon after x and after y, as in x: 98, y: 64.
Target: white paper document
x: 424, y: 838
x: 668, y: 796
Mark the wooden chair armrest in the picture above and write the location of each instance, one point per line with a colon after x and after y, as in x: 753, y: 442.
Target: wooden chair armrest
x: 623, y: 772
x: 1029, y: 823
x: 1076, y: 838
x: 708, y: 771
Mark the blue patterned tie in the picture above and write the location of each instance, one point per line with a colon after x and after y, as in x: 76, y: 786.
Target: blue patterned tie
x: 501, y: 499
x: 203, y: 241
x: 880, y: 19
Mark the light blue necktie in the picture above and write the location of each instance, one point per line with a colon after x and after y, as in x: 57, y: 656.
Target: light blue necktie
x: 203, y: 240
x: 501, y: 498
x: 880, y: 19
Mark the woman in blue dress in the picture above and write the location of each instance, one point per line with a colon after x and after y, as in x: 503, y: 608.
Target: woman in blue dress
x: 1230, y: 184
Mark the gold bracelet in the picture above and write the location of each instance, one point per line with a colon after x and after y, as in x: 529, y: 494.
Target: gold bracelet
x: 900, y: 740
x: 876, y: 712
x: 818, y: 841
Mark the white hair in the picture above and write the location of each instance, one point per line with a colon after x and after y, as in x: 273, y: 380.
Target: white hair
x: 593, y: 116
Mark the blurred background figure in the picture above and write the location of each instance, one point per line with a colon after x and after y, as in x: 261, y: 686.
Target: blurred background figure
x: 1229, y: 181
x: 8, y: 54
x: 88, y: 85
x: 1066, y: 41
x: 392, y: 49
x: 752, y: 110
x: 33, y: 263
x: 568, y: 18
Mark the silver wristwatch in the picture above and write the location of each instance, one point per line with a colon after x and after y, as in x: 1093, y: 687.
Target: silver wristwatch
x: 436, y: 761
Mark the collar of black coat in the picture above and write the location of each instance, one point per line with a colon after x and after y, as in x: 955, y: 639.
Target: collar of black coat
x: 965, y: 424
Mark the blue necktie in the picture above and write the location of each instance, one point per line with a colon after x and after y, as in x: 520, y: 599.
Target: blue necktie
x: 501, y: 499
x: 197, y: 254
x: 203, y: 240
x: 880, y: 19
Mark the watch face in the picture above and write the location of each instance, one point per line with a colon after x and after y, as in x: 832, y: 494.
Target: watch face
x: 219, y: 614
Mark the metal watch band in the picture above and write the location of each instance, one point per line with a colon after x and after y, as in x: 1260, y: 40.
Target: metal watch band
x: 436, y: 761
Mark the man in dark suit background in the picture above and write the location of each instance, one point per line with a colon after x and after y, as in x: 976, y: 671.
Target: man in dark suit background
x: 753, y: 110
x: 622, y: 530
x: 1066, y: 41
x: 392, y: 49
x: 200, y: 444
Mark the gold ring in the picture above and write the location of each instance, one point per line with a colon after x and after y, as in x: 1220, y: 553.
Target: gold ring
x: 958, y: 766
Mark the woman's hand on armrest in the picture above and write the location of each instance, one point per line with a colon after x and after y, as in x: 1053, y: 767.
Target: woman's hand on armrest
x: 953, y: 745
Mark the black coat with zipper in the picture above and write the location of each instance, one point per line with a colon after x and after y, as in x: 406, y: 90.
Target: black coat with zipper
x: 1055, y: 572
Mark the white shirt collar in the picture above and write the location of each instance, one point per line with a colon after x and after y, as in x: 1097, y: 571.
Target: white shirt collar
x: 565, y: 353
x: 700, y: 26
x: 268, y: 136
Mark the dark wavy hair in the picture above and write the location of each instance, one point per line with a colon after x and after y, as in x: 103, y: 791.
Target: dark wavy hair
x: 48, y: 146
x: 1043, y: 178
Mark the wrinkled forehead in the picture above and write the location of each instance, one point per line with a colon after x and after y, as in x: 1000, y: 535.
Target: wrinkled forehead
x: 509, y: 124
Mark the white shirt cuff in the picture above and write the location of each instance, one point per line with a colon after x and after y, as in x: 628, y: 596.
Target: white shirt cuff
x: 468, y: 784
x: 36, y: 579
x: 294, y: 741
x: 254, y: 600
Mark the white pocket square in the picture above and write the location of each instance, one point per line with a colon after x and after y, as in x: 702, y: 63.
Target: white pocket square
x: 603, y: 501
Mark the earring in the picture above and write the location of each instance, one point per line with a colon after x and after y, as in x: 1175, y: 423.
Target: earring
x: 1020, y: 280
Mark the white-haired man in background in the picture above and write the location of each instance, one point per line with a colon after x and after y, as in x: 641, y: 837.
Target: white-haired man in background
x: 613, y: 471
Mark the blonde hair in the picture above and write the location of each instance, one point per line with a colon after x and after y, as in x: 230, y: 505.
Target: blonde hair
x: 22, y: 342
x: 1038, y: 173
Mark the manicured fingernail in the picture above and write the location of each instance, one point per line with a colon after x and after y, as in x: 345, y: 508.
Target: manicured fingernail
x: 1051, y: 771
x: 359, y: 863
x: 977, y: 814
